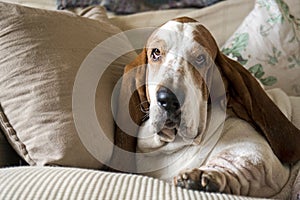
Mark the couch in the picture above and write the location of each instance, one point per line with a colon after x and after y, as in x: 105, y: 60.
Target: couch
x: 49, y: 95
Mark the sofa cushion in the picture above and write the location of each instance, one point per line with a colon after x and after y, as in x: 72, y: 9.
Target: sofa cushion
x: 268, y: 44
x: 222, y: 19
x: 41, y: 55
x: 71, y: 183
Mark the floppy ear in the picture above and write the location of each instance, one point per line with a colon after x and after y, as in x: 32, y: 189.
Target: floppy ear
x: 129, y: 116
x: 250, y: 102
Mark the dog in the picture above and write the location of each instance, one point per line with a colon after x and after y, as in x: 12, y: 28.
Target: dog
x: 200, y: 120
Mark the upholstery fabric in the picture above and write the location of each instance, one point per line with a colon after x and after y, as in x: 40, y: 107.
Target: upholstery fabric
x: 41, y: 53
x: 70, y: 183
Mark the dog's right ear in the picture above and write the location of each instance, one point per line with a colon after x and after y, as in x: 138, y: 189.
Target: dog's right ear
x: 130, y: 113
x: 250, y: 102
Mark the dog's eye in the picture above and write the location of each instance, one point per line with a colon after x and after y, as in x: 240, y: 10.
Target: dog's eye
x: 155, y: 54
x: 201, y: 59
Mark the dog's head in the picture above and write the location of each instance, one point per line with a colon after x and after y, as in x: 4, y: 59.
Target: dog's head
x: 172, y: 89
x: 178, y: 76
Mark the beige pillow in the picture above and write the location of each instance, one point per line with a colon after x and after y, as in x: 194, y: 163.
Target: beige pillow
x: 41, y: 53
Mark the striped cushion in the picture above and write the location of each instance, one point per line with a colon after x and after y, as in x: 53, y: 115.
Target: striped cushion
x: 73, y: 183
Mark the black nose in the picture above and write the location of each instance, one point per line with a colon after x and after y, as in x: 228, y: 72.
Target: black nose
x: 167, y: 100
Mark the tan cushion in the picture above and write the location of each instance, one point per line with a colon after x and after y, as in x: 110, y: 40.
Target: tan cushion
x: 221, y: 19
x: 71, y: 183
x: 41, y: 53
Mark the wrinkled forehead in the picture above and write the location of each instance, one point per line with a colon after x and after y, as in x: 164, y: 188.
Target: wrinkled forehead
x: 181, y: 36
x: 171, y: 35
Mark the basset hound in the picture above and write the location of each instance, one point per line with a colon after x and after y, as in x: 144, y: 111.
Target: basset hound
x: 200, y: 119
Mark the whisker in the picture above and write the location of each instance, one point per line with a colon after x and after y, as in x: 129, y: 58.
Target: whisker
x: 145, y: 117
x: 144, y: 110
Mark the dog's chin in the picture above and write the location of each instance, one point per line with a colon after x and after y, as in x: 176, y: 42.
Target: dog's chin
x: 167, y: 140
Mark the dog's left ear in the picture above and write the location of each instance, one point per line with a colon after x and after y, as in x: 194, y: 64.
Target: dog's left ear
x: 250, y: 102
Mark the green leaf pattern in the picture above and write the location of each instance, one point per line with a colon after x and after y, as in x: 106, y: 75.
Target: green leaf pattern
x: 273, y: 59
x: 238, y: 45
x: 277, y: 16
x: 258, y: 72
x: 278, y: 13
x: 294, y: 61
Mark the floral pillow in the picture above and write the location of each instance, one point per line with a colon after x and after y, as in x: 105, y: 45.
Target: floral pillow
x: 267, y: 43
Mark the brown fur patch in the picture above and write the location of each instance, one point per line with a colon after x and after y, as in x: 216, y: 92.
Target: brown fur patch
x: 202, y: 36
x: 184, y: 20
x: 200, y: 82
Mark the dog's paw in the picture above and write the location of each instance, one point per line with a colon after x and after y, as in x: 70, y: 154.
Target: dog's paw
x: 202, y: 180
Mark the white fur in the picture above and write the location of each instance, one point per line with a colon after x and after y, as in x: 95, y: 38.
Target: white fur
x: 177, y: 47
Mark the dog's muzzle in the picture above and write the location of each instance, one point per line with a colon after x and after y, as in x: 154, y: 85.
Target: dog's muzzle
x: 170, y: 103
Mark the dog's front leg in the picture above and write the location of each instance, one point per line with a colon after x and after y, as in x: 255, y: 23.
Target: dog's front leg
x: 233, y: 174
x: 238, y: 165
x: 213, y: 179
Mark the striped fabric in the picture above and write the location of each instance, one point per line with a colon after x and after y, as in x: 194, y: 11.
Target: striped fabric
x: 39, y: 183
